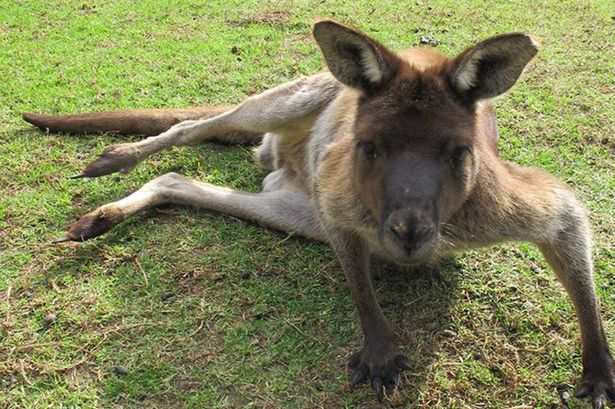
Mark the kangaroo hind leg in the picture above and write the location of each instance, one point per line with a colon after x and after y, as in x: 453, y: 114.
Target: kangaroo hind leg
x: 287, y: 109
x: 284, y: 210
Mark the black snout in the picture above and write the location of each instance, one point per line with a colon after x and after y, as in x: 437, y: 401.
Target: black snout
x: 411, y: 228
x: 410, y: 216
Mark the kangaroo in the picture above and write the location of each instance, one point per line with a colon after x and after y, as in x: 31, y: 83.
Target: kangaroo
x: 387, y: 155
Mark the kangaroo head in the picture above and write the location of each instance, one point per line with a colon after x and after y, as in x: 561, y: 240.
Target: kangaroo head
x: 416, y: 146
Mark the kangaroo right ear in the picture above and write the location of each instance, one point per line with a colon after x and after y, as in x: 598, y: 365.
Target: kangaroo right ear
x: 353, y: 58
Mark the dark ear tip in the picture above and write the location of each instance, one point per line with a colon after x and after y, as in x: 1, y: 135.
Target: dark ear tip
x: 331, y: 26
x: 318, y: 27
x: 520, y: 39
x: 326, y: 23
x: 323, y: 26
x: 528, y: 41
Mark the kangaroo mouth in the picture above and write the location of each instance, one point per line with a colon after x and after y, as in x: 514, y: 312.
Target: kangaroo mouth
x: 400, y: 253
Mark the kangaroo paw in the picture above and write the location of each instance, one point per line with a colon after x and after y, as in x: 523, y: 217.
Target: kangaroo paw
x: 93, y: 224
x: 116, y: 158
x: 598, y: 383
x: 380, y: 364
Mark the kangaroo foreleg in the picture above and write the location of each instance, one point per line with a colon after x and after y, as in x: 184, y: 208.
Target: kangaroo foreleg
x: 285, y: 210
x: 569, y: 254
x: 380, y: 361
x: 533, y: 206
x: 288, y: 109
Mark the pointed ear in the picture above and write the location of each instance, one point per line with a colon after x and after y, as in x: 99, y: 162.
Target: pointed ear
x: 491, y: 67
x: 353, y: 58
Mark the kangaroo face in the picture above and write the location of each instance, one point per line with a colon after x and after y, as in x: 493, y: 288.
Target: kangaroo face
x: 415, y: 162
x: 414, y: 156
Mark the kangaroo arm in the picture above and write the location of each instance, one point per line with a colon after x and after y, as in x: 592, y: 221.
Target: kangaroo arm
x: 353, y: 256
x: 530, y: 205
x: 380, y: 361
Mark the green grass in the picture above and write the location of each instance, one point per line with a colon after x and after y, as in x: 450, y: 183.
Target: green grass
x: 203, y: 310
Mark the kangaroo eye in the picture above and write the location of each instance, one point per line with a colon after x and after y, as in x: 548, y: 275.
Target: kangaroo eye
x: 458, y: 155
x: 369, y: 149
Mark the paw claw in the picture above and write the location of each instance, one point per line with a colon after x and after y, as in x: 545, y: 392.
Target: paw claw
x: 583, y: 390
x: 379, y: 363
x: 599, y: 402
x: 390, y: 381
x: 598, y: 383
x: 403, y: 363
x: 359, y: 375
x: 377, y: 384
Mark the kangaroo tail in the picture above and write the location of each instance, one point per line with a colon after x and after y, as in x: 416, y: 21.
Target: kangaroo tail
x: 146, y: 122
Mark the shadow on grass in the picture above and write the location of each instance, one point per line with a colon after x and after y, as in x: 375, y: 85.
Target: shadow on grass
x: 170, y: 361
x: 417, y: 302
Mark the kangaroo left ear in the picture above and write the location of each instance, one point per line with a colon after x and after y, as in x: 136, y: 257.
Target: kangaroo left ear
x: 491, y: 67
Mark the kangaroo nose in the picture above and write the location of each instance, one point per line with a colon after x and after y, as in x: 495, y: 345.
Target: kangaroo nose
x: 410, y: 232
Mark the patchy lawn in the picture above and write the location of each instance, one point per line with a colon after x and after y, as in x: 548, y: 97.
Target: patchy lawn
x: 185, y: 308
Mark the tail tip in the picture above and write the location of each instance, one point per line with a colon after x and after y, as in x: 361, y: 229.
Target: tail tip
x: 27, y: 116
x: 34, y: 119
